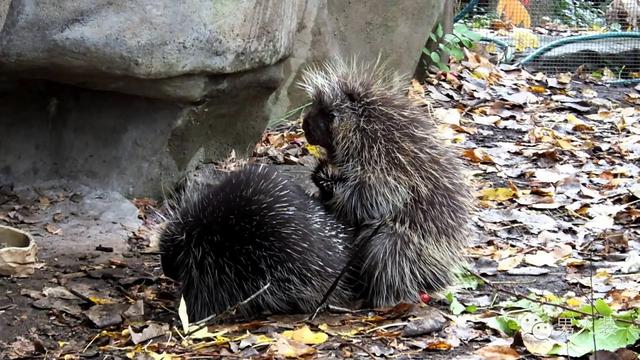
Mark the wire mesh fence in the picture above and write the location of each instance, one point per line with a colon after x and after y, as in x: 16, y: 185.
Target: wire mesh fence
x: 599, y: 36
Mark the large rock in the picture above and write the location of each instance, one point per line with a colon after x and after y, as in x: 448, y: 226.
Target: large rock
x: 394, y: 30
x: 116, y: 44
x: 155, y: 87
x: 211, y: 66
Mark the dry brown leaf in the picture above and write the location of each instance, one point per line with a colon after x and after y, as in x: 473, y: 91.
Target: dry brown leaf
x: 497, y: 352
x: 478, y: 156
x: 53, y: 229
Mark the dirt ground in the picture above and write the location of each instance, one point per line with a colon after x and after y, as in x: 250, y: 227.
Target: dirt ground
x: 87, y: 281
x: 98, y: 291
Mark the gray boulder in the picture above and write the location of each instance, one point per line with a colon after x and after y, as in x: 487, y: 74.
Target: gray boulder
x: 164, y: 49
x: 127, y: 95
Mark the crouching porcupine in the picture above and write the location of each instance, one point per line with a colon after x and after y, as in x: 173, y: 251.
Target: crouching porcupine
x: 385, y: 169
x: 226, y: 239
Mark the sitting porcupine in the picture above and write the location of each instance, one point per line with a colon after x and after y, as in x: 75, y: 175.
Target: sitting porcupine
x: 385, y: 169
x: 227, y: 238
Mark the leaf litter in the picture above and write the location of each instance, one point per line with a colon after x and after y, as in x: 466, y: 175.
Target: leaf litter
x: 554, y: 266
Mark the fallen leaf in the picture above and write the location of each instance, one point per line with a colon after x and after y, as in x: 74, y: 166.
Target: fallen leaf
x: 53, y: 229
x: 541, y: 258
x: 306, y: 336
x: 290, y: 348
x: 496, y: 352
x: 510, y: 262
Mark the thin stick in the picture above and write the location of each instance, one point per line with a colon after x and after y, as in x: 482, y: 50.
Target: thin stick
x: 386, y: 326
x: 350, y: 263
x: 363, y: 349
x: 80, y: 296
x: 211, y: 319
x: 593, y: 307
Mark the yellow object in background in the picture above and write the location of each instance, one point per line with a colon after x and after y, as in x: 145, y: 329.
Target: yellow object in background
x: 514, y: 12
x: 524, y: 39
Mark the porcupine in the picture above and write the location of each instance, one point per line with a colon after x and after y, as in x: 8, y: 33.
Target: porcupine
x: 226, y: 238
x: 387, y: 171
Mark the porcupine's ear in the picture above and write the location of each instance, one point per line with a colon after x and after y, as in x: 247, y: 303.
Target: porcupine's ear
x: 352, y: 96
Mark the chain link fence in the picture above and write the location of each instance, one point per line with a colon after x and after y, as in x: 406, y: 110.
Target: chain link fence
x: 597, y: 36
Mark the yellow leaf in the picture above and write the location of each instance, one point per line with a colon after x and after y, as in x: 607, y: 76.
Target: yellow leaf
x: 498, y: 194
x: 99, y: 301
x: 572, y: 119
x: 290, y: 348
x: 574, y: 302
x: 575, y: 262
x: 537, y: 89
x: 306, y: 336
x: 203, y: 333
x: 564, y: 144
x: 524, y: 39
x: 477, y: 156
x: 314, y: 150
x: 263, y: 339
x: 514, y: 12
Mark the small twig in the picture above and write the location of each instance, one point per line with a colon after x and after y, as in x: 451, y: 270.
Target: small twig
x: 350, y: 263
x: 363, y: 349
x: 231, y: 309
x: 108, y: 249
x: 477, y: 104
x: 575, y: 214
x: 150, y: 253
x: 340, y: 310
x: 7, y: 307
x: 509, y: 226
x: 82, y: 297
x: 514, y: 282
x: 385, y: 326
x: 90, y: 342
x: 593, y: 307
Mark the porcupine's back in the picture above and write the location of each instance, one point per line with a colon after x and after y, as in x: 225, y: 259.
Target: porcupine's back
x: 226, y: 239
x: 394, y: 169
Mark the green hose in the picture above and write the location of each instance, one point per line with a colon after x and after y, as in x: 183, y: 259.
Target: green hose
x: 465, y: 10
x: 508, y: 51
x: 573, y: 39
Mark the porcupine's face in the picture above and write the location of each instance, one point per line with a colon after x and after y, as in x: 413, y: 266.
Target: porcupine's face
x: 317, y: 127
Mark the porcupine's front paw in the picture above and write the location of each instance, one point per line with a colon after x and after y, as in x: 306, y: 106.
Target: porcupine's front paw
x: 326, y: 177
